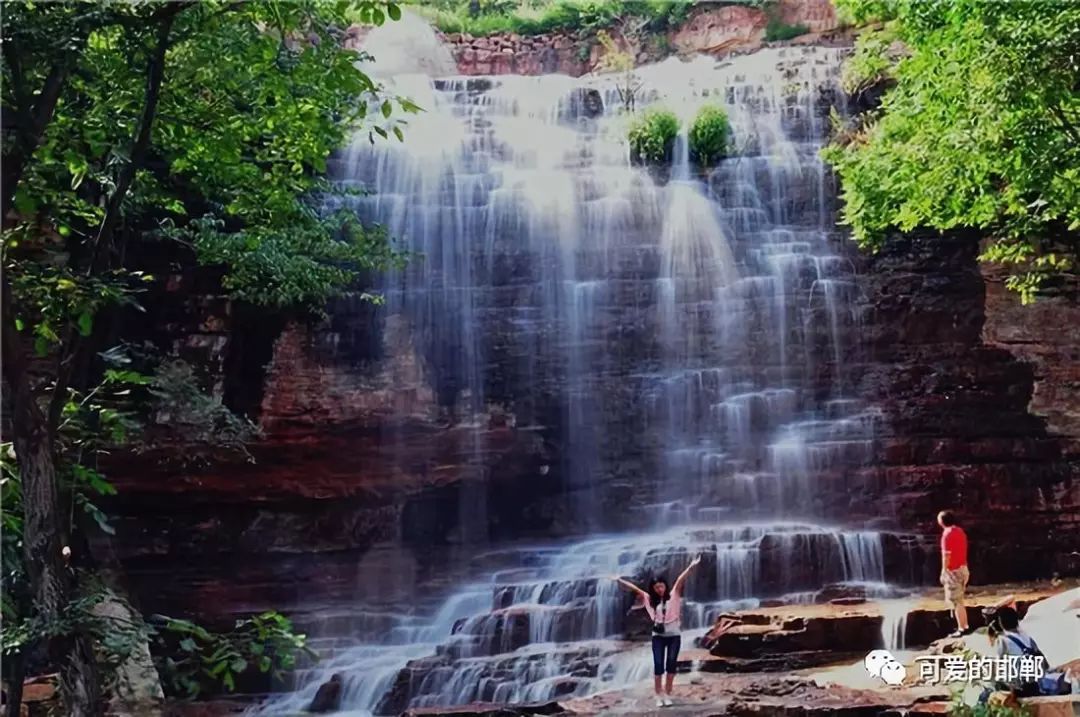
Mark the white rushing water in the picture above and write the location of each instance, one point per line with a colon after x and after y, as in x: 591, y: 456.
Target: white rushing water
x: 547, y: 621
x: 717, y: 300
x: 894, y: 623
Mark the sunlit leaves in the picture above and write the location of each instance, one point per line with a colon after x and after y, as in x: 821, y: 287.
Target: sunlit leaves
x: 53, y: 298
x: 982, y: 129
x: 256, y: 97
x: 708, y: 135
x: 652, y: 135
x: 873, y: 60
x: 302, y: 265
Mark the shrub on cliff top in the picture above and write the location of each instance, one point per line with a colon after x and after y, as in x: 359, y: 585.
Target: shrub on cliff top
x: 652, y: 135
x: 778, y: 30
x: 709, y: 135
x: 542, y: 16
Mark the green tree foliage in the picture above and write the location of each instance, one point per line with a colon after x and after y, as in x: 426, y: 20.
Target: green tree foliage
x: 873, y: 61
x: 202, y: 126
x: 619, y: 61
x: 708, y: 137
x: 778, y: 31
x: 193, y: 658
x: 190, y: 659
x: 652, y: 135
x: 540, y: 16
x: 982, y: 129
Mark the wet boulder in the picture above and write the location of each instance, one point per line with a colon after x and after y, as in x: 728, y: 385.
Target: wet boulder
x: 328, y: 696
x: 584, y: 102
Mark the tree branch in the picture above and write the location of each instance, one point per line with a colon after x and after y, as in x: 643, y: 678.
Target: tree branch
x: 18, y: 85
x: 15, y: 164
x: 155, y: 75
x: 102, y: 242
x: 1066, y: 125
x: 14, y: 359
x: 65, y: 368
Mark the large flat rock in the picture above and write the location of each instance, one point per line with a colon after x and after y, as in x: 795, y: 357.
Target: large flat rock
x: 764, y: 695
x: 489, y: 710
x: 764, y: 634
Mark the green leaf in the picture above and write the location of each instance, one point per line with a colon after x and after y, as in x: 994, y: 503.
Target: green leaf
x: 25, y: 203
x: 86, y: 323
x: 387, y: 108
x: 393, y: 11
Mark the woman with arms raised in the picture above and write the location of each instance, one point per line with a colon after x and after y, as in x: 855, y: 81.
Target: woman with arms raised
x: 664, y: 607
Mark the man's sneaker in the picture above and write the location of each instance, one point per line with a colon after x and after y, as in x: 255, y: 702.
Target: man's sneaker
x: 957, y: 633
x: 659, y: 702
x: 667, y: 702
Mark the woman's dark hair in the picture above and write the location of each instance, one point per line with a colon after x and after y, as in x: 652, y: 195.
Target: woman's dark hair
x: 654, y: 598
x: 947, y: 518
x: 1007, y: 619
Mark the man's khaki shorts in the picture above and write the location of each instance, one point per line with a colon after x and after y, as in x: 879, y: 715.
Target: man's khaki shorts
x: 955, y: 582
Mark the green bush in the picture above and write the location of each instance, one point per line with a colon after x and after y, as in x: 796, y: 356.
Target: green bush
x: 979, y: 130
x: 652, y: 135
x: 777, y: 30
x: 959, y: 709
x: 871, y: 62
x: 709, y: 135
x: 542, y: 16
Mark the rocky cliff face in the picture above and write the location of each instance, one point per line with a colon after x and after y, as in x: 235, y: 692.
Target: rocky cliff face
x: 980, y: 398
x: 713, y: 28
x: 1046, y: 336
x: 371, y: 452
x: 976, y: 392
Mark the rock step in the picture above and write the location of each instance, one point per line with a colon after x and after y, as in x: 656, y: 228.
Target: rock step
x: 488, y: 710
x: 768, y: 632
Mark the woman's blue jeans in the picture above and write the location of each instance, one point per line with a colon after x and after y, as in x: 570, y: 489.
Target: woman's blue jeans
x: 665, y: 653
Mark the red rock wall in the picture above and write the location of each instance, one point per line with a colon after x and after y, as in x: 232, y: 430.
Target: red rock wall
x: 1046, y: 336
x: 712, y: 28
x: 980, y: 397
x: 358, y: 472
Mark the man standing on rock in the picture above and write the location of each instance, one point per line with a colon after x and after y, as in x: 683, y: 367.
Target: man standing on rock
x: 954, y: 568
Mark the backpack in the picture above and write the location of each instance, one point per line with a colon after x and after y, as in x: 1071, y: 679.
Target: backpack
x: 1051, y: 683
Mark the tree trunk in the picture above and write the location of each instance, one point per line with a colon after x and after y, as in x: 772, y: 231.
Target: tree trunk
x: 44, y: 525
x: 44, y: 538
x: 15, y: 668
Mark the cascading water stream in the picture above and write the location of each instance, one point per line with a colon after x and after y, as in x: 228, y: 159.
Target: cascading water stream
x: 894, y: 623
x: 697, y: 326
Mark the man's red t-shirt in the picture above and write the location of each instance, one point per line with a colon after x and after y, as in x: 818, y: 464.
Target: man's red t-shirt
x: 954, y: 542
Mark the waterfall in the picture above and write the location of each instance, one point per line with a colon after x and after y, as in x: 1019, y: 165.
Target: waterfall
x: 894, y: 623
x: 682, y: 340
